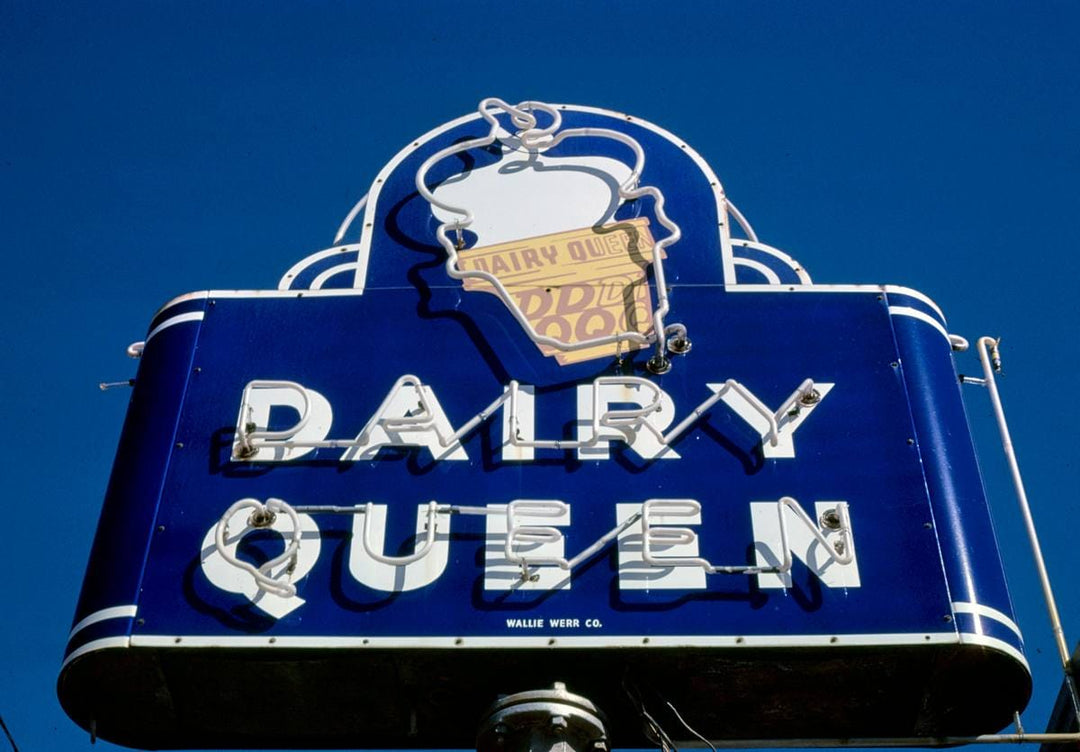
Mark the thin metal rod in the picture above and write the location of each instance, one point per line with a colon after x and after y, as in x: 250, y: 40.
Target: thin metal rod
x: 990, y: 357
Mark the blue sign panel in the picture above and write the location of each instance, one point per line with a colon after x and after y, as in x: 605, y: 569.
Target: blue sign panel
x: 545, y: 420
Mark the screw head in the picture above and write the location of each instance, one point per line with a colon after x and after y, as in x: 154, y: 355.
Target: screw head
x: 830, y: 519
x: 679, y: 345
x: 261, y: 518
x: 658, y: 364
x: 811, y: 397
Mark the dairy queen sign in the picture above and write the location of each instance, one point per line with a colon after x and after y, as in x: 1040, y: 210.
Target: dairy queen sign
x: 546, y: 411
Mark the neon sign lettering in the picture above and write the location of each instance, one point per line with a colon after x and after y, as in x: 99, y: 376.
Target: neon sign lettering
x: 525, y: 547
x: 411, y: 415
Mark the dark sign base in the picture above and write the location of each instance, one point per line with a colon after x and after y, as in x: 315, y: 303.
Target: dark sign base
x: 335, y: 698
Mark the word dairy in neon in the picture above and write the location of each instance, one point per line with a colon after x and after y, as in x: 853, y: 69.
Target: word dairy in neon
x: 411, y: 415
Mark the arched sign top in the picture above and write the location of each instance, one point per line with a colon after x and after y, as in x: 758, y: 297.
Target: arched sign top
x: 554, y: 205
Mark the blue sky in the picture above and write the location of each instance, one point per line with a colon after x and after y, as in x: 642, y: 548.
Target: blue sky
x: 150, y: 149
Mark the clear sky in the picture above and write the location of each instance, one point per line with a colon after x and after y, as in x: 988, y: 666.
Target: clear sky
x: 150, y: 149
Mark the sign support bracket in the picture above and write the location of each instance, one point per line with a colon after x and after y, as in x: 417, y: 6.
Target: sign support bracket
x: 546, y: 720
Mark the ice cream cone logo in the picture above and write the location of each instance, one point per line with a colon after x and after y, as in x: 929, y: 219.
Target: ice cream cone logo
x: 575, y: 286
x: 547, y: 241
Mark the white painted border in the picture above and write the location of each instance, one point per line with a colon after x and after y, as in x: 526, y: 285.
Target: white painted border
x: 782, y: 288
x: 917, y: 295
x: 95, y: 645
x: 550, y: 641
x: 180, y: 318
x: 115, y: 612
x: 236, y: 294
x: 926, y: 318
x: 760, y: 268
x: 786, y: 259
x: 966, y: 607
x: 303, y: 264
x: 188, y: 296
x: 462, y: 643
x: 993, y: 643
x: 829, y: 287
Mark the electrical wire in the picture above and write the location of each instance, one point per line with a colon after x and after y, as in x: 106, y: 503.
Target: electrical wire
x: 7, y: 733
x: 653, y: 730
x: 689, y: 728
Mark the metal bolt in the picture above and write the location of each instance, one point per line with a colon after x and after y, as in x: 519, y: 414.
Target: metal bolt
x: 679, y: 345
x: 161, y: 528
x: 894, y: 364
x: 262, y: 518
x: 911, y: 442
x: 830, y: 519
x: 179, y: 445
x: 658, y: 364
x: 811, y: 397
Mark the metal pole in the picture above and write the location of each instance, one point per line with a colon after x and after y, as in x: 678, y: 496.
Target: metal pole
x: 546, y: 720
x: 990, y: 357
